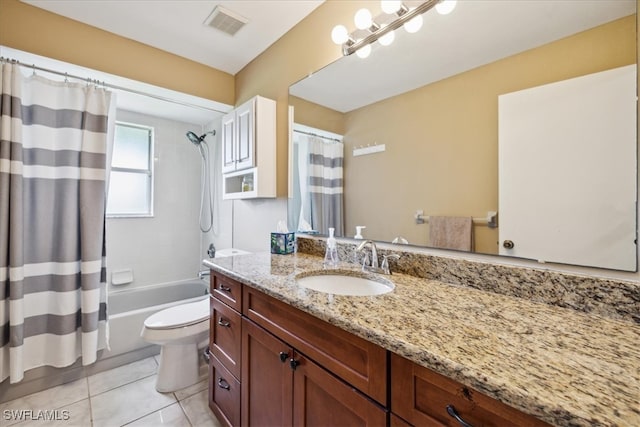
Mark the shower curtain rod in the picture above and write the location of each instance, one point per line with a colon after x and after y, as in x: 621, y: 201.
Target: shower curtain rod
x: 319, y: 136
x: 105, y: 84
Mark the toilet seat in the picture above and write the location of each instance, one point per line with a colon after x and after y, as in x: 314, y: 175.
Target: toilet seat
x: 179, y: 316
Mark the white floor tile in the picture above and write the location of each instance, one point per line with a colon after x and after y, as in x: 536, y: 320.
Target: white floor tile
x: 170, y: 416
x: 191, y: 390
x: 75, y: 415
x: 197, y: 409
x: 46, y: 400
x: 107, y: 380
x: 128, y: 403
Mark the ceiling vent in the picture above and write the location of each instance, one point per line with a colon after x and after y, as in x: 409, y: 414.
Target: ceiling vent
x: 225, y: 20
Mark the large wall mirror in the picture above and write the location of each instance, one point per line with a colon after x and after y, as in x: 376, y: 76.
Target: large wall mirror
x: 418, y: 120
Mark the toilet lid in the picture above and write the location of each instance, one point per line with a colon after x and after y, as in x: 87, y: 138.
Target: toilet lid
x: 179, y: 316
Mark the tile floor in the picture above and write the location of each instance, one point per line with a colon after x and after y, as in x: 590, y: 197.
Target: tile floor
x: 123, y: 396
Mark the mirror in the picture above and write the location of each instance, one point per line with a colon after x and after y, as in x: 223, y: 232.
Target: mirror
x: 428, y: 106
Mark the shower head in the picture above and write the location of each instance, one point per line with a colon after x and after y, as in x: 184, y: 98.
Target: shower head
x: 195, y: 139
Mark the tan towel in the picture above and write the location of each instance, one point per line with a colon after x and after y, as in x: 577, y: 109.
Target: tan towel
x: 451, y: 232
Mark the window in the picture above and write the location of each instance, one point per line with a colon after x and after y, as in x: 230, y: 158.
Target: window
x: 131, y: 179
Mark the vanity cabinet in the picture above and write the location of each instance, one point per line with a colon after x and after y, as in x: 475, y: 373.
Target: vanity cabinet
x: 422, y: 397
x: 353, y: 359
x: 283, y: 387
x: 248, y: 137
x: 273, y: 364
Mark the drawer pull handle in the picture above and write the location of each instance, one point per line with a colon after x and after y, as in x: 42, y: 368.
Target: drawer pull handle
x: 224, y: 288
x: 222, y: 383
x: 452, y: 411
x: 224, y: 323
x: 283, y: 356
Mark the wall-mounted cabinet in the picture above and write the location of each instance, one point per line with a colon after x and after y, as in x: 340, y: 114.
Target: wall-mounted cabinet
x: 249, y: 150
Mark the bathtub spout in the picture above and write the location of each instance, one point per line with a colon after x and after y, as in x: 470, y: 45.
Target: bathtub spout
x: 203, y: 273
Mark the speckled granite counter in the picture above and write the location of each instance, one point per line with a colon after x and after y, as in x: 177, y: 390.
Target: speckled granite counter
x: 560, y: 365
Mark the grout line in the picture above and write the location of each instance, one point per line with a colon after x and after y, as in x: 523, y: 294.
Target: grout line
x: 185, y: 414
x: 123, y: 384
x: 146, y: 415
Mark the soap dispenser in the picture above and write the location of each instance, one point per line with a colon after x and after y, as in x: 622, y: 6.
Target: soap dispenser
x: 331, y: 254
x: 359, y: 229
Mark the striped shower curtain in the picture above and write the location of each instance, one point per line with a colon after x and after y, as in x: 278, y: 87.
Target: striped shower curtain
x: 322, y: 193
x: 53, y: 151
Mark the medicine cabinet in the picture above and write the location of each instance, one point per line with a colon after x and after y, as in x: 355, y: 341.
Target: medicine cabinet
x: 249, y: 150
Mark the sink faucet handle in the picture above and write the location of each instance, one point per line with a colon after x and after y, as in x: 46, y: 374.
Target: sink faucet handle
x: 385, y: 262
x: 365, y: 260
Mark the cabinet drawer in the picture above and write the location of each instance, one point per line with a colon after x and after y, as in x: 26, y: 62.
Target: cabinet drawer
x: 225, y: 336
x: 227, y: 290
x: 224, y: 393
x: 422, y: 396
x: 355, y: 360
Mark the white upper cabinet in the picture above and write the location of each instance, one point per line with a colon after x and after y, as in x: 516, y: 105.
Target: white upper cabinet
x: 249, y: 145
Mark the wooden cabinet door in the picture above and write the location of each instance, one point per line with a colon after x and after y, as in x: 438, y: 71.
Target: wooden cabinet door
x: 320, y: 399
x: 245, y: 135
x: 228, y: 137
x: 267, y: 378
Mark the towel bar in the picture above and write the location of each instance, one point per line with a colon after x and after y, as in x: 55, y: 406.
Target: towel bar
x: 491, y: 220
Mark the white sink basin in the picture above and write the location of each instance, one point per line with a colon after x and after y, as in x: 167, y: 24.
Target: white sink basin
x: 345, y: 283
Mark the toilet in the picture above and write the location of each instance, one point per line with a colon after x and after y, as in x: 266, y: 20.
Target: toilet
x: 179, y: 330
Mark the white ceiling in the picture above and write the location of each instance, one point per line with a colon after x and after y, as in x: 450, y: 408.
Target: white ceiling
x: 177, y: 26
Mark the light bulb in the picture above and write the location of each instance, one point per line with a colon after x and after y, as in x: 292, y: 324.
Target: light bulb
x: 390, y: 6
x: 364, y: 51
x: 339, y: 34
x: 363, y: 19
x: 445, y: 7
x: 414, y: 25
x: 388, y: 38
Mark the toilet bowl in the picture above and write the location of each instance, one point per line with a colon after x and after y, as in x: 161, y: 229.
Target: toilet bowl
x: 179, y: 331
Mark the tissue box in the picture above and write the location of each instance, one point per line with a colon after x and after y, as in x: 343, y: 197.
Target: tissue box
x: 283, y: 243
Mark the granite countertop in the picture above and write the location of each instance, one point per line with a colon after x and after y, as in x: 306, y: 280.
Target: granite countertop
x: 560, y: 365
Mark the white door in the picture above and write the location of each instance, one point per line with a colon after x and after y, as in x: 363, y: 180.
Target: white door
x: 245, y: 135
x: 567, y: 171
x: 228, y: 142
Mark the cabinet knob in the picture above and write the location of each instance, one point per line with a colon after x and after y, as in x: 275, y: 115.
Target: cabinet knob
x: 284, y: 356
x: 452, y: 412
x: 294, y: 363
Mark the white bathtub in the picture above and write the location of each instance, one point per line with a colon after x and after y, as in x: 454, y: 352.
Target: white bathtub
x: 129, y: 308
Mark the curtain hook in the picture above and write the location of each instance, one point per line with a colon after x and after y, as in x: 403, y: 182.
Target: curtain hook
x: 66, y: 78
x: 33, y: 69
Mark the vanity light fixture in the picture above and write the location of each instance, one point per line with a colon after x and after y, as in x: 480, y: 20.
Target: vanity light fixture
x: 370, y: 30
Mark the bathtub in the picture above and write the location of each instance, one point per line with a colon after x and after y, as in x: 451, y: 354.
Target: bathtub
x: 129, y: 308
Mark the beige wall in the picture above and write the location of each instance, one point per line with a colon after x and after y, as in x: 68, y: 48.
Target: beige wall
x: 303, y: 50
x: 35, y: 30
x: 442, y: 139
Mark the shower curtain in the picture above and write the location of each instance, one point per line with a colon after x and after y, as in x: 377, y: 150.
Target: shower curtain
x: 53, y: 169
x: 320, y: 165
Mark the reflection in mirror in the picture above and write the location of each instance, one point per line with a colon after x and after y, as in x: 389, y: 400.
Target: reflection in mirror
x: 431, y: 99
x: 316, y: 200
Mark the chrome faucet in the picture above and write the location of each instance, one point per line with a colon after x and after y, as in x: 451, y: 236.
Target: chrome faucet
x: 374, y: 254
x: 373, y: 264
